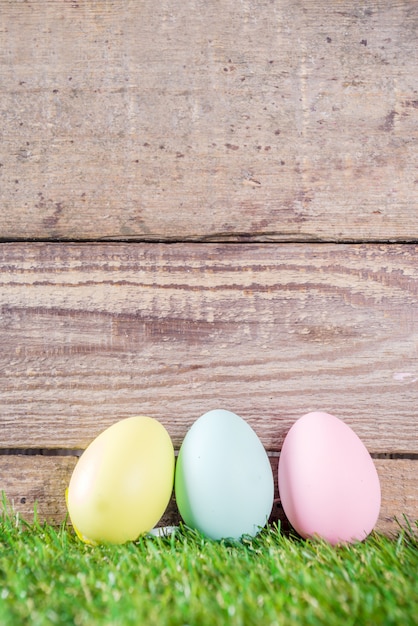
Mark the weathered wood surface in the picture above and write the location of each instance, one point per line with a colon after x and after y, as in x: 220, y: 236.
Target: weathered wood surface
x: 42, y: 480
x: 252, y: 120
x: 174, y: 121
x: 94, y: 333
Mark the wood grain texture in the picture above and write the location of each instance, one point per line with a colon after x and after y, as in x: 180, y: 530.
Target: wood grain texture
x: 255, y: 120
x: 94, y: 333
x: 27, y: 480
x: 36, y: 481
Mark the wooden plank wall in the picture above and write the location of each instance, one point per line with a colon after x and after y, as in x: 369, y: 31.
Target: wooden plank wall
x: 207, y: 204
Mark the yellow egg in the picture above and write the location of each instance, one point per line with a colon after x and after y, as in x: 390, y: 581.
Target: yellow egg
x: 122, y: 482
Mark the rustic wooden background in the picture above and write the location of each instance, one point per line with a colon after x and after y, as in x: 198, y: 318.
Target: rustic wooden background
x: 207, y: 204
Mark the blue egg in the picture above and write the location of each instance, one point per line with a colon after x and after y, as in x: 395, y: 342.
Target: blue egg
x: 224, y: 482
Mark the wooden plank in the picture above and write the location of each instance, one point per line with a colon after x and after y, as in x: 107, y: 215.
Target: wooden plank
x: 399, y: 483
x: 253, y: 120
x: 27, y: 480
x: 91, y: 334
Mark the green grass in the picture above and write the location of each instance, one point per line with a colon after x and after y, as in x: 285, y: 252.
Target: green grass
x: 47, y: 576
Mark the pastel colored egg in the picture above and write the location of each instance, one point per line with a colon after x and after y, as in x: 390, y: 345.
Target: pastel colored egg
x: 328, y: 483
x: 223, y: 481
x: 122, y: 482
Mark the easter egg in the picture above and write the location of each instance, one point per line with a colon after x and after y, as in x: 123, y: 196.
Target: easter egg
x: 328, y: 483
x: 223, y: 481
x: 122, y: 482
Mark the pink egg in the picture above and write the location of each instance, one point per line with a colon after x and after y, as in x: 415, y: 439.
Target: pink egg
x: 328, y: 483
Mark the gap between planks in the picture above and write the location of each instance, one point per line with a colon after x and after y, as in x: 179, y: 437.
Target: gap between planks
x: 62, y: 452
x: 276, y: 238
